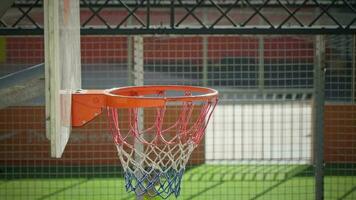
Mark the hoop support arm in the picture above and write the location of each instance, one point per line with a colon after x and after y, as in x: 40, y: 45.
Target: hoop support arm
x: 86, y: 105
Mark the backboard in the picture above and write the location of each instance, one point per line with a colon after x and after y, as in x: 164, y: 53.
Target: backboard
x: 62, y: 68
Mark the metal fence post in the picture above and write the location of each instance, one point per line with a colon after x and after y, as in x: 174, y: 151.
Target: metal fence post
x: 205, y: 61
x: 261, y: 63
x: 353, y: 68
x: 130, y: 72
x: 138, y: 80
x: 319, y: 84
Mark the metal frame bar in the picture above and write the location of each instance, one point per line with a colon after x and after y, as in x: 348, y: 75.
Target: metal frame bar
x: 190, y: 12
x: 257, y: 12
x: 131, y: 13
x: 292, y: 14
x: 2, y: 24
x: 95, y: 13
x: 176, y: 25
x: 25, y: 14
x: 224, y: 13
x: 167, y: 3
x: 325, y: 11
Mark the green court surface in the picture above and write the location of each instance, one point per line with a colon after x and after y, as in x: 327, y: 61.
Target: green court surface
x: 216, y: 182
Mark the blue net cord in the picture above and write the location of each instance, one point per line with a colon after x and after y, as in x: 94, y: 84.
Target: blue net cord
x: 153, y: 182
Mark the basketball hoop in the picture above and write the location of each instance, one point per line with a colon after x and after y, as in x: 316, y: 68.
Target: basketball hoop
x: 155, y: 129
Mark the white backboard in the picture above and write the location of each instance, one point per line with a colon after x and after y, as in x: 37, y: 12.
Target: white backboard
x: 62, y: 68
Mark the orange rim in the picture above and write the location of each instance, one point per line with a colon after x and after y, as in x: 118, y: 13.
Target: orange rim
x: 87, y: 104
x: 134, y: 96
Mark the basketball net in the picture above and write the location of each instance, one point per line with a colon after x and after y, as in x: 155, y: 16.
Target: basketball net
x: 169, y: 136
